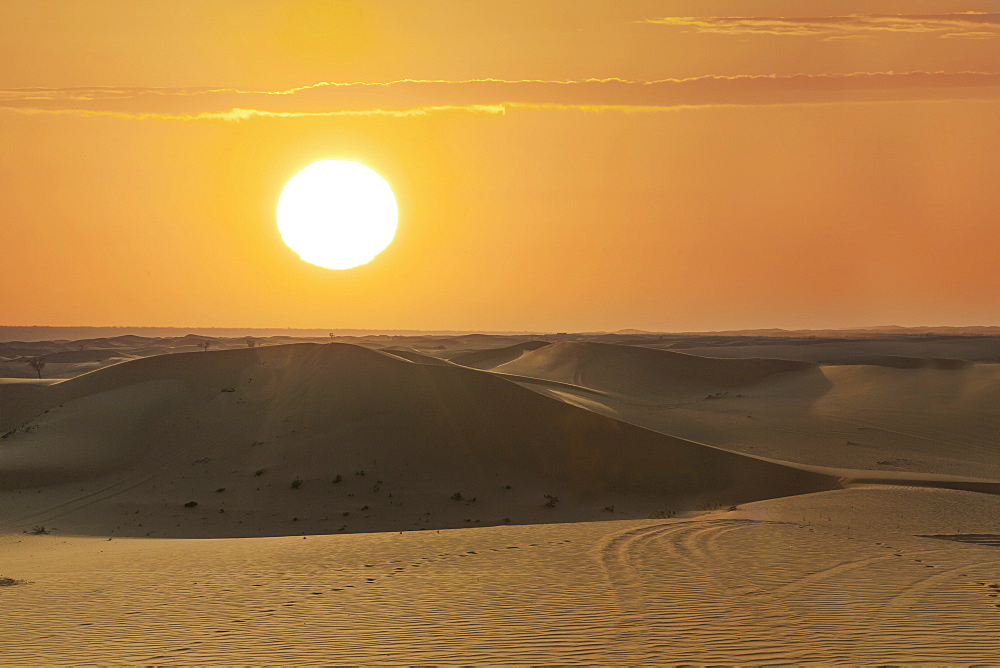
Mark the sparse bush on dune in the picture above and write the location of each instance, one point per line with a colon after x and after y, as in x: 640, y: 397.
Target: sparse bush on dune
x: 457, y: 496
x: 10, y: 582
x: 37, y: 363
x: 551, y: 501
x: 296, y: 483
x: 337, y: 479
x: 190, y: 504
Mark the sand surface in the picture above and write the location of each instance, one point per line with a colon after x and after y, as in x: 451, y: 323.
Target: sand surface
x: 480, y: 500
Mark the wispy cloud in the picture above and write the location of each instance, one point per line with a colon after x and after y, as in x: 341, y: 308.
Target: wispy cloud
x: 972, y: 25
x: 248, y: 114
x: 409, y: 98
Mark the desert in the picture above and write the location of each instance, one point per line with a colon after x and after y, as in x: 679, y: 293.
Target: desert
x: 586, y: 499
x: 520, y: 332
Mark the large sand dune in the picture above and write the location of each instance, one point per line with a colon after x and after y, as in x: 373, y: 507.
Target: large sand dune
x: 124, y: 448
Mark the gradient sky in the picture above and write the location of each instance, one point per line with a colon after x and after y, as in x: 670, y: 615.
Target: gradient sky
x: 559, y: 166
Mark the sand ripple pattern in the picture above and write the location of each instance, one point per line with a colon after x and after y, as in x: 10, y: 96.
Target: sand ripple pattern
x: 703, y: 591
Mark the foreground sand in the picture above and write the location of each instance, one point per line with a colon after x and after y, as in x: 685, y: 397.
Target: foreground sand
x: 833, y: 577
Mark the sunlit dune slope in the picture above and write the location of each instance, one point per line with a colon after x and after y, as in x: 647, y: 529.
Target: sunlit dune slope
x: 124, y: 448
x: 636, y: 370
x: 493, y: 357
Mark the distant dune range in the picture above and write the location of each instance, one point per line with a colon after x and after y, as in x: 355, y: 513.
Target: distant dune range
x: 324, y: 438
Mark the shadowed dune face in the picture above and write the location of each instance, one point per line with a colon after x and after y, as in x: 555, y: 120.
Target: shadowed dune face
x: 635, y: 370
x: 174, y: 428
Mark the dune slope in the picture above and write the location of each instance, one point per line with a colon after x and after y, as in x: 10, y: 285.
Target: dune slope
x: 311, y: 438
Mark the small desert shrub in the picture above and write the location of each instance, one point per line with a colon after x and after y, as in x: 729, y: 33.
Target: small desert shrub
x: 663, y: 515
x: 38, y: 364
x: 296, y: 483
x: 609, y: 509
x: 364, y: 507
x: 551, y: 501
x: 221, y: 489
x: 39, y: 530
x: 259, y: 472
x: 506, y: 486
x: 732, y: 508
x: 190, y: 504
x: 361, y: 472
x: 337, y: 479
x: 10, y: 582
x: 457, y: 496
x: 709, y: 506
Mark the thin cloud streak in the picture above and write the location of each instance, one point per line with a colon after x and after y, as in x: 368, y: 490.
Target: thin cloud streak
x: 418, y: 97
x: 249, y: 114
x: 240, y: 115
x: 973, y: 25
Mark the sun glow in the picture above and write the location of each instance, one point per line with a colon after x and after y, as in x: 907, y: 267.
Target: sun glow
x: 337, y: 214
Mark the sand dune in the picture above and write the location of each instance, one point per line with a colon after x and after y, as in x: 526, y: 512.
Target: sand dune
x: 635, y: 370
x: 153, y: 434
x: 915, y: 417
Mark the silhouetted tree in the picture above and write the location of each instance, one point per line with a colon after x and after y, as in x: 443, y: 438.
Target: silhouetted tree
x: 37, y: 363
x: 250, y: 342
x: 205, y: 345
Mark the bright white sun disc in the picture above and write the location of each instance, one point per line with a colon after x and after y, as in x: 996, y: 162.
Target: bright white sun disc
x: 337, y: 214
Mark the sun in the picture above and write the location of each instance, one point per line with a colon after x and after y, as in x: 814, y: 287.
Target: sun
x: 337, y: 214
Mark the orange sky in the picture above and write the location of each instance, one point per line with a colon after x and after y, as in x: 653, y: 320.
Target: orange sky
x: 741, y: 164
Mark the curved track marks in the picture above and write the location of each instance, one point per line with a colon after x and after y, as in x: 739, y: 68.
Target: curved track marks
x: 746, y: 591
